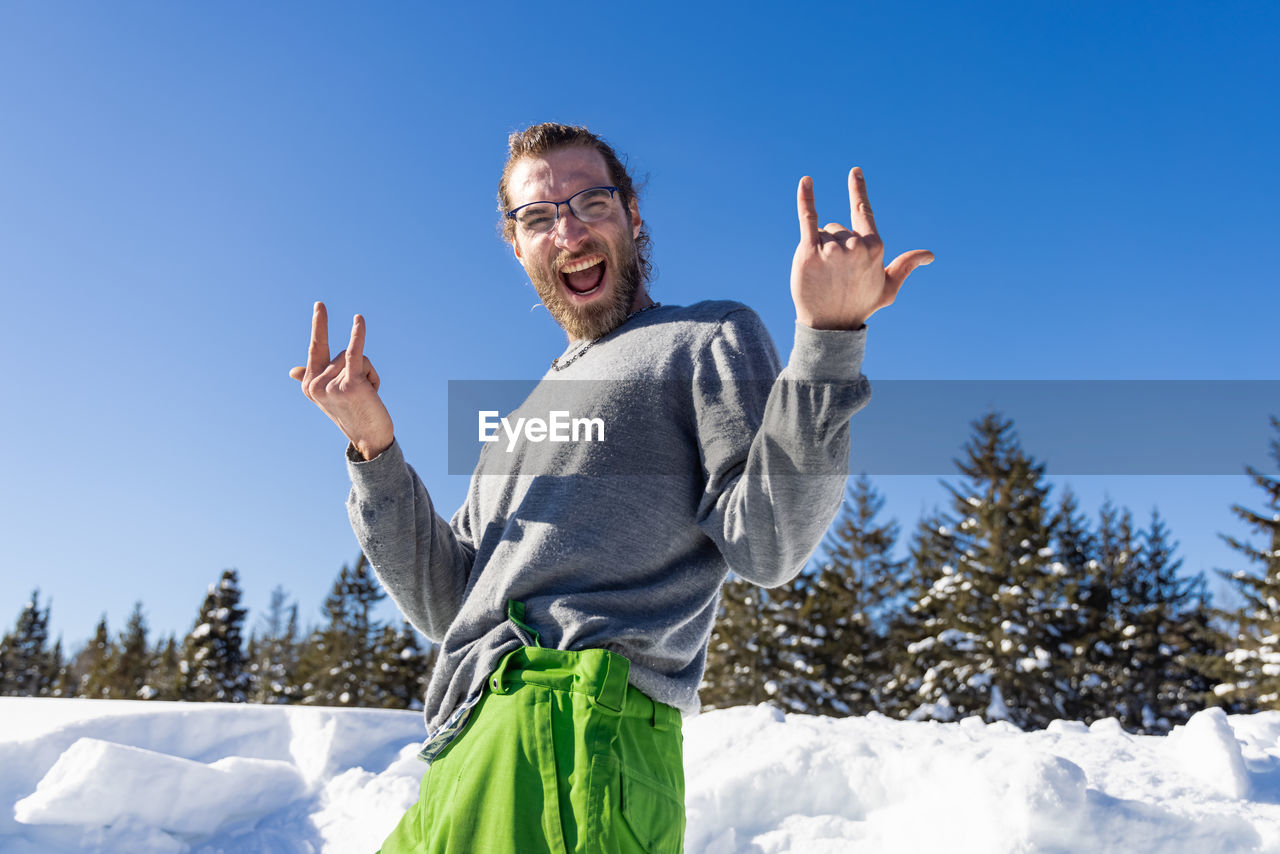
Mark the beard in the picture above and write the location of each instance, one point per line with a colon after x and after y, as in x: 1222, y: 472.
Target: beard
x: 601, y: 316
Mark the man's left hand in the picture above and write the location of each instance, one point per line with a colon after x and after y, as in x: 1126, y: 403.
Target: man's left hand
x: 837, y: 275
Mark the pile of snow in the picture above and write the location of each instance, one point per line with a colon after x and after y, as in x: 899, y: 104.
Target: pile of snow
x: 146, y: 777
x: 762, y: 782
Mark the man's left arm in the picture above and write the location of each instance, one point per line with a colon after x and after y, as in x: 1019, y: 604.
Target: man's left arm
x: 774, y: 446
x: 769, y: 505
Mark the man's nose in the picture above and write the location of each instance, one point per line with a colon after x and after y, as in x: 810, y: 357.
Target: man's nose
x: 569, y: 230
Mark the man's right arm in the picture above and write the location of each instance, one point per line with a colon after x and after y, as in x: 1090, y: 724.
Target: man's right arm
x: 421, y: 560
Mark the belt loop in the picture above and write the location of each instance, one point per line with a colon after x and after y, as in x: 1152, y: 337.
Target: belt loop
x: 612, y: 693
x: 665, y: 717
x: 515, y: 613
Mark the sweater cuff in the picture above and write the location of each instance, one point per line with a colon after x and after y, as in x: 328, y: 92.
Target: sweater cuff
x: 366, y: 474
x: 827, y: 355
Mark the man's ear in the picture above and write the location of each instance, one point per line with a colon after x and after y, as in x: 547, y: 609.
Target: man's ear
x: 636, y: 222
x: 515, y: 247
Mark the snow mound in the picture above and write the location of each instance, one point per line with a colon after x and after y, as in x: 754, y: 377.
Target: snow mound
x: 765, y: 783
x: 1207, y: 748
x: 175, y: 778
x: 190, y: 797
x: 193, y: 778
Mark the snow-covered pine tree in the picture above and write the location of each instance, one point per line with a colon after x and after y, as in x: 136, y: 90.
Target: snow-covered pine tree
x: 932, y: 558
x: 1106, y: 683
x: 94, y: 663
x: 63, y: 682
x: 742, y: 654
x: 845, y: 612
x: 338, y: 666
x: 213, y: 654
x: 273, y: 664
x: 1159, y: 618
x: 790, y: 641
x: 1248, y: 677
x: 1082, y: 610
x: 990, y: 639
x: 165, y: 677
x: 130, y: 668
x: 403, y: 667
x: 28, y: 667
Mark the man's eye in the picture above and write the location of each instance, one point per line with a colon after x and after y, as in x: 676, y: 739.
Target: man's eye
x: 535, y: 219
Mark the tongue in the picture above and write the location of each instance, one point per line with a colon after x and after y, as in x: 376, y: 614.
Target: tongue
x: 585, y: 280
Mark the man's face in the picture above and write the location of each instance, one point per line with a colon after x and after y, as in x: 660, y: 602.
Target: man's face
x: 587, y: 274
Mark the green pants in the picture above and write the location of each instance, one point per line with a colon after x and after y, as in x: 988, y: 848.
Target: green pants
x: 560, y: 755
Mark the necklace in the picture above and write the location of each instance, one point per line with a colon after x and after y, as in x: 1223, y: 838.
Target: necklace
x: 557, y: 365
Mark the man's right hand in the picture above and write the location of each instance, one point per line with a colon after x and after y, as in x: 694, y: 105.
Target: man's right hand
x: 346, y: 388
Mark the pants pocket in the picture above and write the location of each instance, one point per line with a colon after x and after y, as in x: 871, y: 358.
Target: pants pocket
x: 653, y: 812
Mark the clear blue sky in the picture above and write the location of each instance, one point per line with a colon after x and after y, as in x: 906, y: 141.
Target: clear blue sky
x: 179, y: 182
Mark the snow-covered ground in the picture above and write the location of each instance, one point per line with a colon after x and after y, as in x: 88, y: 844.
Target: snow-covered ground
x: 117, y: 776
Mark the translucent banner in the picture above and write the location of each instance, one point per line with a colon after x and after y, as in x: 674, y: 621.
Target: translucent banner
x: 1093, y: 427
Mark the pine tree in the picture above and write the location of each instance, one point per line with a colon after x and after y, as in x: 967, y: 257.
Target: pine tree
x: 932, y: 561
x: 63, y: 682
x: 28, y: 668
x: 989, y: 637
x: 791, y: 683
x: 1159, y: 610
x: 166, y: 678
x: 1248, y: 677
x: 130, y: 668
x: 403, y: 667
x: 1082, y: 611
x: 839, y: 631
x: 1104, y: 687
x: 338, y: 666
x: 742, y: 655
x: 273, y: 660
x: 213, y: 654
x: 94, y: 663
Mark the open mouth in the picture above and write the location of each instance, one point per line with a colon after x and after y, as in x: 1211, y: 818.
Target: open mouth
x: 584, y: 276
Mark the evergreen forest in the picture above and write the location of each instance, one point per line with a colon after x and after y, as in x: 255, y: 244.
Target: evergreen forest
x: 1001, y: 604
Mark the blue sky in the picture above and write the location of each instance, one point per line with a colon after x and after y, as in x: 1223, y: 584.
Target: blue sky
x: 181, y: 181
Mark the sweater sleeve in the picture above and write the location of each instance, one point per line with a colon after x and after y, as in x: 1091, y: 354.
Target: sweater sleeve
x: 422, y: 560
x: 774, y: 445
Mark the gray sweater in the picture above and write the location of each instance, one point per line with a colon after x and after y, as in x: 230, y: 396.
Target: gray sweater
x: 711, y: 461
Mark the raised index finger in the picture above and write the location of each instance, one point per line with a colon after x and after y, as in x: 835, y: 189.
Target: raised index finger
x: 807, y: 211
x: 355, y: 350
x: 318, y: 353
x: 859, y: 204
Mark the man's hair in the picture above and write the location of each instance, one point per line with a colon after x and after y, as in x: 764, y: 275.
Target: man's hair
x: 537, y: 141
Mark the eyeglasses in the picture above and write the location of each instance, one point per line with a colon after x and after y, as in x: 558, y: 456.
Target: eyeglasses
x: 590, y: 205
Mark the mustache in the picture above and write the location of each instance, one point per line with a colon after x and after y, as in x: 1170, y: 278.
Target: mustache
x: 567, y: 257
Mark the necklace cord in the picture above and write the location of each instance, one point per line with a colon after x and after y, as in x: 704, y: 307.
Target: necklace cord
x: 557, y: 365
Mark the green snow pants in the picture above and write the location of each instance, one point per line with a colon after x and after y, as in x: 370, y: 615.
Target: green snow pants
x: 560, y: 756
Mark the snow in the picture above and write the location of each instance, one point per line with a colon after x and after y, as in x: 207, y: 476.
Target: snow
x: 177, y: 778
x: 200, y: 798
x: 996, y: 709
x: 1207, y: 748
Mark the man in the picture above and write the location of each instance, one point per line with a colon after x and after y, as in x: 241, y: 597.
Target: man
x: 574, y: 592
